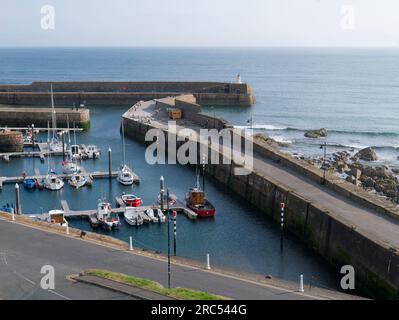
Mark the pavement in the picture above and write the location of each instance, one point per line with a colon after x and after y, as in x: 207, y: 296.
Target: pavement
x: 24, y: 250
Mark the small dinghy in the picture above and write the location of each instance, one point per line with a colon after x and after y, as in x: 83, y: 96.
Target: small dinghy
x: 151, y: 214
x: 132, y: 217
x: 159, y: 214
x: 30, y: 184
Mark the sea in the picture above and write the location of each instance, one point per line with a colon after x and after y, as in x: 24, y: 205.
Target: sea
x: 354, y: 93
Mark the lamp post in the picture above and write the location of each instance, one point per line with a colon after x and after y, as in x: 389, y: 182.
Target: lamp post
x: 168, y: 215
x: 323, y: 166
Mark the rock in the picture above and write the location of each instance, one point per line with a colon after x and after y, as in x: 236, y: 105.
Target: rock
x: 368, y: 183
x: 351, y: 179
x: 395, y: 170
x: 270, y: 141
x: 316, y: 133
x: 367, y: 154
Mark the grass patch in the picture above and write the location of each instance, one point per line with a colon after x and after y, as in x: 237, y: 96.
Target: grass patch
x: 177, y: 293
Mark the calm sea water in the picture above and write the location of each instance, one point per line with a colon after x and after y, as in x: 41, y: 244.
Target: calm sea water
x: 353, y: 93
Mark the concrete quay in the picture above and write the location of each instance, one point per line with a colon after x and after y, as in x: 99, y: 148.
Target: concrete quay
x: 342, y: 227
x: 110, y: 93
x: 24, y: 116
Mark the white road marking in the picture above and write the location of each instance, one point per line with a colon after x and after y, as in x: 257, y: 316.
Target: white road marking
x: 25, y: 278
x: 58, y: 294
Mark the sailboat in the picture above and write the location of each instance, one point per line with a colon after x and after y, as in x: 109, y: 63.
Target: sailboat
x: 69, y: 166
x: 77, y: 180
x: 125, y: 174
x: 52, y: 181
x: 54, y: 145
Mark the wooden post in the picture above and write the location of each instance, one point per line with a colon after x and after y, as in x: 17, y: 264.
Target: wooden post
x: 109, y: 163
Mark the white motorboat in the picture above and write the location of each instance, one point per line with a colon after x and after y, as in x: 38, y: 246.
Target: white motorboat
x: 76, y: 152
x: 77, y: 181
x: 132, y: 217
x: 53, y: 182
x: 151, y: 214
x: 159, y: 214
x: 125, y: 176
x: 91, y: 151
x: 107, y: 219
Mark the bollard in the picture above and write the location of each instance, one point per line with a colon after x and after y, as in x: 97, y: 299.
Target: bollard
x: 131, y: 243
x: 13, y: 214
x: 109, y: 163
x: 208, y: 262
x: 301, y: 284
x: 17, y: 200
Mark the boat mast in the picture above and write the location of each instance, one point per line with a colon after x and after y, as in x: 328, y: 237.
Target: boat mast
x: 203, y: 173
x: 54, y: 120
x: 123, y: 143
x: 48, y: 146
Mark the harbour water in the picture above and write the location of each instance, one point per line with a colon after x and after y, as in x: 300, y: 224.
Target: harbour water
x: 296, y: 89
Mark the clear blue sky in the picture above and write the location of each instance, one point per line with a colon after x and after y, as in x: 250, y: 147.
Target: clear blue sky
x: 202, y: 23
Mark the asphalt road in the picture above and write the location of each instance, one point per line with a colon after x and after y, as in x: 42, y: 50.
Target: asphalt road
x: 24, y: 250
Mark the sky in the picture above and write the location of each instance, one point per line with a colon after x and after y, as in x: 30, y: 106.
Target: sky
x: 199, y: 23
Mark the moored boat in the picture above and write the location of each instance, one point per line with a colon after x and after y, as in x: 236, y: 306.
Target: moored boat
x: 131, y: 200
x: 30, y: 183
x: 108, y: 220
x: 132, y: 217
x: 53, y: 182
x: 125, y: 176
x: 197, y: 201
x: 77, y: 181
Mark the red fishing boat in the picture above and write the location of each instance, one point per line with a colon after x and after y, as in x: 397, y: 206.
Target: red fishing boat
x: 130, y: 200
x: 197, y: 201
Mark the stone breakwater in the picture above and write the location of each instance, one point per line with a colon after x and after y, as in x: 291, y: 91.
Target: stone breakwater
x: 125, y: 93
x: 23, y: 117
x: 342, y: 223
x: 11, y: 141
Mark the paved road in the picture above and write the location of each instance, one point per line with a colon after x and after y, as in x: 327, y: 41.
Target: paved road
x: 367, y: 221
x: 25, y: 250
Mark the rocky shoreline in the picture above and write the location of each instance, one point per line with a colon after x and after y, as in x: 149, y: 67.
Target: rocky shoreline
x: 356, y: 168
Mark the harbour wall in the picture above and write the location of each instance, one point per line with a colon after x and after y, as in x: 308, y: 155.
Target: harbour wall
x: 376, y: 264
x: 23, y: 117
x: 125, y: 93
x: 11, y: 141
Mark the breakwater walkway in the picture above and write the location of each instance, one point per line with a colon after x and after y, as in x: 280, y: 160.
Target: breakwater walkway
x: 340, y: 228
